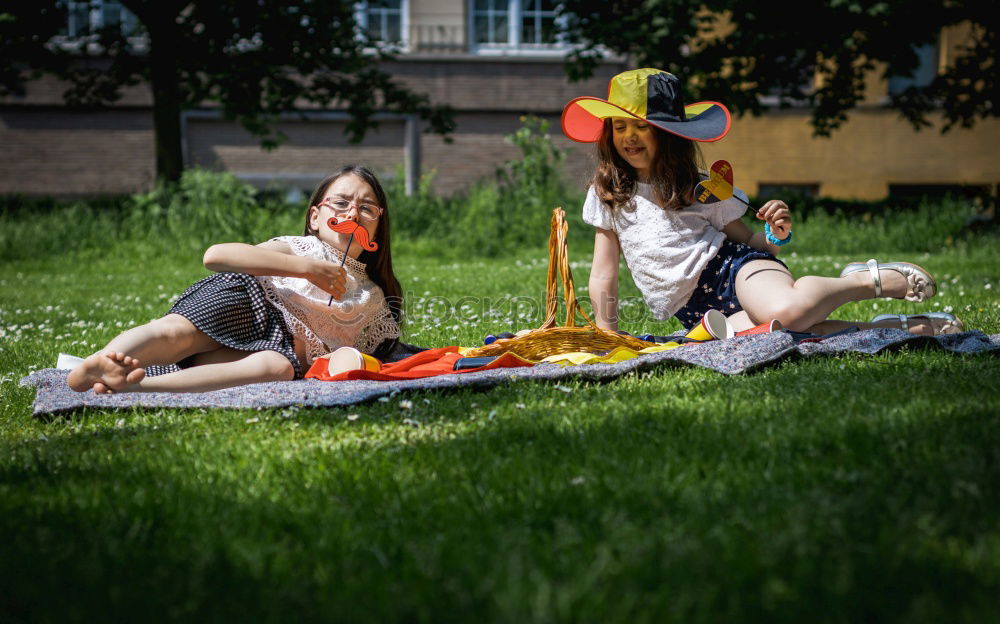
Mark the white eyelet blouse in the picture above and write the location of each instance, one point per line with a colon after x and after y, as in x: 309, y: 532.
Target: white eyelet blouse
x: 665, y: 250
x: 360, y: 319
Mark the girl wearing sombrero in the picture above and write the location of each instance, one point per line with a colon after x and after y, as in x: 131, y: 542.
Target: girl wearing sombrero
x: 689, y: 257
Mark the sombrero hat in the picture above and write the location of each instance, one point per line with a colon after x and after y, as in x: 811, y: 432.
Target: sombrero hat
x: 650, y: 94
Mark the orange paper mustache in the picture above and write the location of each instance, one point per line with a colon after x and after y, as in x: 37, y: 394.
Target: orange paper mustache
x: 352, y: 227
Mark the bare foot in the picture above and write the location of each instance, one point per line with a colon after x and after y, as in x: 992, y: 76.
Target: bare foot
x: 105, y: 373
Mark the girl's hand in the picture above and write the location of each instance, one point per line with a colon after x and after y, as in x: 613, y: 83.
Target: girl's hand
x: 328, y: 277
x: 777, y: 214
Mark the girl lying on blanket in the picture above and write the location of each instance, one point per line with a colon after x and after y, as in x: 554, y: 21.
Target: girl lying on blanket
x: 271, y: 309
x: 687, y: 257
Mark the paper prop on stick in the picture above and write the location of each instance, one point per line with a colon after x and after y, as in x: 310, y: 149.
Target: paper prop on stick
x: 718, y: 186
x: 355, y: 230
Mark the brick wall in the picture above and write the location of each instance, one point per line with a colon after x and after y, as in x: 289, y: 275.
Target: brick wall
x: 314, y: 148
x: 312, y: 151
x: 48, y: 91
x: 478, y: 148
x: 483, y: 84
x: 50, y: 151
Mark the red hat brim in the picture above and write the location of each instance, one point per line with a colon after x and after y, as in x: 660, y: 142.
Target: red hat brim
x: 705, y: 122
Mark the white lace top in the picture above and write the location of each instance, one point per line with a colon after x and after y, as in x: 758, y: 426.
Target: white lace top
x: 665, y: 250
x: 360, y: 319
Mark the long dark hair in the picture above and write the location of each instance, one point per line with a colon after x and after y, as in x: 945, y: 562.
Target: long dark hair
x: 673, y: 172
x: 378, y: 263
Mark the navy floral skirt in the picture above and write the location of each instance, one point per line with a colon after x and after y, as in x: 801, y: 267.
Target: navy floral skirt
x: 716, y: 287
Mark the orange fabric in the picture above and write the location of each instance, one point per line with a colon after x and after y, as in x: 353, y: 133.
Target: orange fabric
x: 424, y: 364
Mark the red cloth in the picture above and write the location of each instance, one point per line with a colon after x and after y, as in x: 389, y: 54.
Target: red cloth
x: 424, y: 364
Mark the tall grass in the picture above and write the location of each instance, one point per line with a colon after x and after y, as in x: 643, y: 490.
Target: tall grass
x: 931, y: 226
x: 491, y: 218
x: 204, y: 208
x: 495, y: 216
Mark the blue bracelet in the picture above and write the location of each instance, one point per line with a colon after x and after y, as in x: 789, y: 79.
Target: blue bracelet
x: 774, y: 240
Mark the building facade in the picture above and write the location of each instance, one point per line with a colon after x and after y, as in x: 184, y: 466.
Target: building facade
x: 493, y: 61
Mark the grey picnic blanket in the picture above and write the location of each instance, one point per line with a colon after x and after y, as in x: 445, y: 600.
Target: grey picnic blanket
x: 730, y: 357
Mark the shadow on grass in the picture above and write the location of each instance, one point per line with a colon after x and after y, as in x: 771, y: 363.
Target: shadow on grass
x: 721, y: 498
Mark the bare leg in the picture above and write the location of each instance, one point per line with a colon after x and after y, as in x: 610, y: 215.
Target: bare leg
x: 216, y: 356
x: 163, y: 341
x: 767, y: 291
x: 928, y: 327
x: 920, y: 326
x: 741, y: 321
x: 254, y: 367
x: 219, y: 356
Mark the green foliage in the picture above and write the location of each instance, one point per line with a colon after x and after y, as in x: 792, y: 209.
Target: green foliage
x: 877, y: 228
x: 209, y: 207
x: 423, y: 214
x: 493, y: 217
x: 734, y: 51
x: 534, y: 182
x: 490, y: 219
x: 255, y: 60
x: 204, y: 208
x: 31, y: 228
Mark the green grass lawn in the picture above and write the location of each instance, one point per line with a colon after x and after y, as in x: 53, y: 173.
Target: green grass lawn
x: 831, y: 489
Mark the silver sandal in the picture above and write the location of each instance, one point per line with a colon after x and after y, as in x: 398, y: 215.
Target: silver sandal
x: 921, y: 283
x: 953, y: 326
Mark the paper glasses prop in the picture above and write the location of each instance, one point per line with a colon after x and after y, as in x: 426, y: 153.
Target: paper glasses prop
x: 355, y: 230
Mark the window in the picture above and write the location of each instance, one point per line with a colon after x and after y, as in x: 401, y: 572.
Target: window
x: 538, y: 22
x: 513, y: 24
x: 89, y: 18
x: 491, y: 21
x: 922, y: 76
x: 383, y: 21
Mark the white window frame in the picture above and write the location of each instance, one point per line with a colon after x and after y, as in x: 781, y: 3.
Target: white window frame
x: 95, y: 18
x: 514, y: 45
x: 361, y: 17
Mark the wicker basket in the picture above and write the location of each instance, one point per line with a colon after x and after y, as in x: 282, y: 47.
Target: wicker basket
x: 550, y: 339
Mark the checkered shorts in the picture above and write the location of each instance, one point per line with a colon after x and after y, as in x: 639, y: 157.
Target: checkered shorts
x: 231, y: 309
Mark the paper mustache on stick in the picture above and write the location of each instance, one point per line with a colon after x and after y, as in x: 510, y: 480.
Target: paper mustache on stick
x: 355, y: 230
